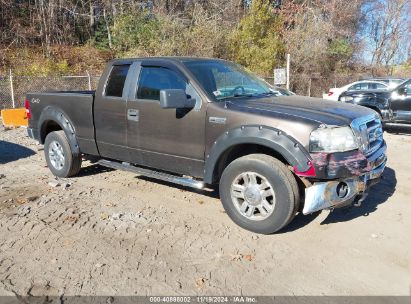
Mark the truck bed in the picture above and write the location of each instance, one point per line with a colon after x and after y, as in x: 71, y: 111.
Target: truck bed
x: 76, y: 106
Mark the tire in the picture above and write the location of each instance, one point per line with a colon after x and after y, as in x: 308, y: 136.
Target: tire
x: 60, y: 159
x: 275, y: 184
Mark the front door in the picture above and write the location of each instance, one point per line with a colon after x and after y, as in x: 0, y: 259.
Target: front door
x: 401, y: 103
x: 166, y: 139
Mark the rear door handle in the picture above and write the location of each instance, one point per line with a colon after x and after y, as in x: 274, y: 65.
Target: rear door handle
x: 133, y: 114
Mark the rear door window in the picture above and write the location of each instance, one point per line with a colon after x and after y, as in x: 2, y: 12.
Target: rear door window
x: 372, y: 86
x: 355, y: 87
x: 116, y: 80
x: 365, y: 86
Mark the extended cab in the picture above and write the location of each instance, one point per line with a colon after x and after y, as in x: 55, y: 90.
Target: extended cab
x: 200, y: 122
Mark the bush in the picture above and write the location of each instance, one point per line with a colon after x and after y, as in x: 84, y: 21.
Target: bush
x: 45, y: 68
x: 135, y: 31
x: 200, y: 35
x: 63, y: 60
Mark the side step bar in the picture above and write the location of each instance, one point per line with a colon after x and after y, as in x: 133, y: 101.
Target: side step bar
x: 184, y: 181
x: 398, y: 125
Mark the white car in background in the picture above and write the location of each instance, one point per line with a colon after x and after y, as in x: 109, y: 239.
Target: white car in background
x: 334, y: 93
x: 390, y: 81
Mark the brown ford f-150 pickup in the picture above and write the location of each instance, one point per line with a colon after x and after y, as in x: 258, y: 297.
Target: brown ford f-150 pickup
x: 200, y: 122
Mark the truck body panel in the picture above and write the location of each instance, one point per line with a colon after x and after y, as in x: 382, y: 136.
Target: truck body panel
x: 125, y: 123
x: 77, y: 107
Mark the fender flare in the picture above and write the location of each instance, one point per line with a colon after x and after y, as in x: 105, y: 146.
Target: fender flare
x: 54, y: 114
x: 275, y: 139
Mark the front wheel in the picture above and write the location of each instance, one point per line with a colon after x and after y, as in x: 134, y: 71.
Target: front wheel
x: 60, y: 159
x: 259, y: 193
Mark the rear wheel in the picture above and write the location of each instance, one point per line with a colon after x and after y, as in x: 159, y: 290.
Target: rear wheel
x: 259, y: 193
x: 60, y: 159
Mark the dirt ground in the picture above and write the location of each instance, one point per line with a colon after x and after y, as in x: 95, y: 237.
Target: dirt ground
x: 113, y: 233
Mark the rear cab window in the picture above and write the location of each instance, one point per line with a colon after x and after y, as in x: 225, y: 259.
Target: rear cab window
x: 116, y: 80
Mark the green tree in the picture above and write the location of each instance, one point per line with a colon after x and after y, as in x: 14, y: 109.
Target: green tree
x: 100, y: 35
x: 136, y: 32
x: 256, y: 43
x: 340, y: 49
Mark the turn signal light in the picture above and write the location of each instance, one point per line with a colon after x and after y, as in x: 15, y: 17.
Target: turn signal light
x: 27, y: 106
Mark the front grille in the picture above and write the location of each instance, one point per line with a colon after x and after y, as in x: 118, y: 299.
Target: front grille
x: 369, y: 133
x: 374, y: 135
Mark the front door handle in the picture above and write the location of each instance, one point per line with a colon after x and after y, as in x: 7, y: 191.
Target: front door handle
x: 133, y: 114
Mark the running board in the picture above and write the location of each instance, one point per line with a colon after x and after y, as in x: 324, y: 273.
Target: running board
x: 184, y: 181
x: 398, y: 125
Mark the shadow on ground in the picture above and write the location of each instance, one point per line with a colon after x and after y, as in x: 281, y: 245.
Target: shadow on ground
x: 398, y: 130
x: 210, y: 192
x: 379, y: 194
x: 10, y: 152
x: 97, y: 169
x: 93, y: 170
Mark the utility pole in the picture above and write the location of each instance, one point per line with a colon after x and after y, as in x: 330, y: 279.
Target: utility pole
x: 288, y: 71
x: 12, y: 90
x: 89, y: 80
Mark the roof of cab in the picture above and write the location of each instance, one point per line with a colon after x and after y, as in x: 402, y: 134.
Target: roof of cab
x: 163, y: 58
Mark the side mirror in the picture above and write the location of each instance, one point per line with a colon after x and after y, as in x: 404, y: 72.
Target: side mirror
x: 176, y: 99
x: 402, y: 91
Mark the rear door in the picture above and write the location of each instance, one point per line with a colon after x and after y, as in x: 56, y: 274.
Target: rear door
x: 110, y: 113
x: 166, y: 139
x: 401, y: 103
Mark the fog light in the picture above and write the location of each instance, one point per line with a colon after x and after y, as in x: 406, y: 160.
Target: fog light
x: 342, y: 190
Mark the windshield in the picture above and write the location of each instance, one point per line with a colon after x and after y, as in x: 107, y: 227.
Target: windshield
x: 281, y: 91
x: 403, y: 83
x: 223, y: 79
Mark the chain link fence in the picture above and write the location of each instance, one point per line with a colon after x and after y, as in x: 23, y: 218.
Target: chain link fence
x: 13, y: 89
x: 315, y: 86
x: 5, y: 93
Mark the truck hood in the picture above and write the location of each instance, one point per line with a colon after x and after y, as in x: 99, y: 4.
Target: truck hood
x: 316, y: 110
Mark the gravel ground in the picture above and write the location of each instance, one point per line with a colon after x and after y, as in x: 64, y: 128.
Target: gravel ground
x: 114, y: 233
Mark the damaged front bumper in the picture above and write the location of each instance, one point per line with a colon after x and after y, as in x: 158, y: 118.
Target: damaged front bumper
x: 345, y: 191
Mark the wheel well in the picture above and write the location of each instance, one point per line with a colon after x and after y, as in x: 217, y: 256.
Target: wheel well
x: 237, y: 151
x: 48, y: 127
x: 375, y: 109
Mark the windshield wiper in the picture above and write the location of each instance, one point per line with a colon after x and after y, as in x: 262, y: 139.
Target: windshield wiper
x: 236, y: 96
x: 244, y: 95
x: 267, y: 94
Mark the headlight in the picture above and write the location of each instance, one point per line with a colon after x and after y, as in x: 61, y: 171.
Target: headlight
x: 335, y: 139
x: 346, y: 98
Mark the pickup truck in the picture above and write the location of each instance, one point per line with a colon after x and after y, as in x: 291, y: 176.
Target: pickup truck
x: 207, y: 122
x: 393, y: 105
